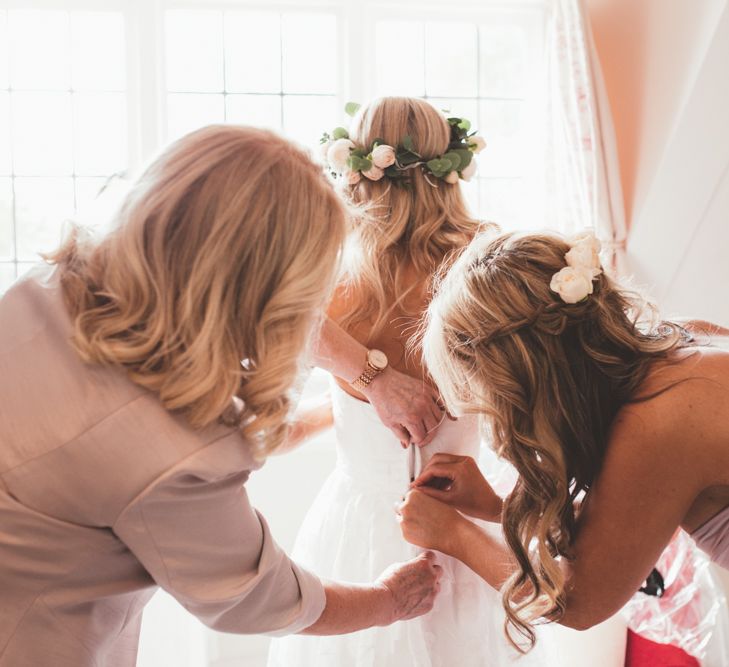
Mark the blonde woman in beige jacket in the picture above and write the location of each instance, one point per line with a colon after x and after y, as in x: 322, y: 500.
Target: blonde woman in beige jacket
x: 143, y: 377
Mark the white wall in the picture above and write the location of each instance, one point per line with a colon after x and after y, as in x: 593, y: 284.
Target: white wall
x: 680, y: 239
x: 651, y: 52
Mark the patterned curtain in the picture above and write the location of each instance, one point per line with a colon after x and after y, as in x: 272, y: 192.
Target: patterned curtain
x: 583, y: 181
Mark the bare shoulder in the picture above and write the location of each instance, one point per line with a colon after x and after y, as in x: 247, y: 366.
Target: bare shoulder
x: 704, y: 328
x: 342, y: 302
x: 683, y: 417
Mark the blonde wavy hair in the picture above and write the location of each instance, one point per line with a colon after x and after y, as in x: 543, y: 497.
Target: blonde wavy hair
x: 547, y: 378
x: 397, y: 227
x: 208, y: 288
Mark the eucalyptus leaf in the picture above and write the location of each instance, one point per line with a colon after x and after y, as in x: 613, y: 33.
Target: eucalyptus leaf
x: 358, y: 163
x: 455, y: 159
x: 407, y: 143
x: 340, y: 133
x: 439, y: 167
x: 466, y: 157
x: 351, y: 108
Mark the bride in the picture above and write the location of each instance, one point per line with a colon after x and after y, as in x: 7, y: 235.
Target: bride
x: 400, y: 165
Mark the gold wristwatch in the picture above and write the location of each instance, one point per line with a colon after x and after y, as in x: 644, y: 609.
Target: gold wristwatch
x: 376, y: 363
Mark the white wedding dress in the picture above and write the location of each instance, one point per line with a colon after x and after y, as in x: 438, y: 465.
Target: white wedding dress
x: 351, y: 534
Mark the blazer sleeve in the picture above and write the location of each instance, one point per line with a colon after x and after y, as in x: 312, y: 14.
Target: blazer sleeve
x: 195, y: 532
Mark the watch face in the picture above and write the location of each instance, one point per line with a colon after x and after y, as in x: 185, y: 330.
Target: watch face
x: 378, y: 359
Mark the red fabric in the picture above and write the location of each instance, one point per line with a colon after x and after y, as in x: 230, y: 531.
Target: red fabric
x: 642, y: 652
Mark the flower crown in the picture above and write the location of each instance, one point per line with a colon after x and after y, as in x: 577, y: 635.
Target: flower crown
x: 574, y: 282
x: 345, y: 159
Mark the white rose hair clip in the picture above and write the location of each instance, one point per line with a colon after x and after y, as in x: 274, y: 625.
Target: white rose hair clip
x: 347, y: 160
x: 574, y: 282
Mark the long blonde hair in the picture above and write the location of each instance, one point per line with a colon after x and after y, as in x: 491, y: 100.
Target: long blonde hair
x: 397, y: 227
x: 548, y: 378
x: 209, y: 286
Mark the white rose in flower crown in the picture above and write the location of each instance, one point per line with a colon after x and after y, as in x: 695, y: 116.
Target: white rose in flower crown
x: 470, y: 171
x: 572, y: 284
x: 353, y: 177
x: 476, y: 143
x: 373, y: 173
x: 383, y: 156
x: 338, y: 154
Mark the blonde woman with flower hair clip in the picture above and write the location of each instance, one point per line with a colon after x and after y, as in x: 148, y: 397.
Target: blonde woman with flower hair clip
x: 617, y: 424
x: 398, y: 168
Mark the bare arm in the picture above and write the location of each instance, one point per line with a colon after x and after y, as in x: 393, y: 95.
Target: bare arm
x: 403, y: 591
x: 312, y: 417
x: 406, y: 405
x: 649, y: 480
x: 703, y: 327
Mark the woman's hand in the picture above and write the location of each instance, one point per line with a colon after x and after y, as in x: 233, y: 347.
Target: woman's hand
x: 403, y: 591
x: 412, y: 586
x: 429, y: 523
x: 458, y: 482
x: 409, y: 407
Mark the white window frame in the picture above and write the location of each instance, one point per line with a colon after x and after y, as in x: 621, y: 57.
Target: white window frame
x: 145, y: 39
x: 146, y: 88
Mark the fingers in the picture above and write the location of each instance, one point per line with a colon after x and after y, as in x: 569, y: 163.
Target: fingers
x: 401, y: 433
x: 443, y: 495
x: 428, y: 556
x: 440, y: 404
x: 444, y: 457
x: 418, y: 432
x: 438, y: 414
x: 432, y: 473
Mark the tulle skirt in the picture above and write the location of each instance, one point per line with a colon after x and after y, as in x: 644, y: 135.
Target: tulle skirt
x: 351, y: 534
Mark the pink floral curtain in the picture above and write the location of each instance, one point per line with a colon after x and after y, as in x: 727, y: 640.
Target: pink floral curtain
x: 583, y: 181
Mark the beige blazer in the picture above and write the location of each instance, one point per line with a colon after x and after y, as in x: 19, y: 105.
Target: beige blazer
x: 104, y: 495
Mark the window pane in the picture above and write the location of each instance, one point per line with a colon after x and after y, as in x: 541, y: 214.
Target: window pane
x: 101, y: 134
x: 187, y: 112
x: 470, y: 191
x: 98, y: 51
x: 97, y: 200
x: 399, y: 56
x: 6, y: 219
x: 457, y: 107
x: 451, y: 59
x: 42, y: 205
x: 503, y: 61
x: 4, y: 133
x: 252, y: 52
x: 41, y: 133
x: 258, y: 110
x: 88, y: 191
x: 501, y: 126
x: 4, y: 74
x: 24, y: 267
x: 306, y: 118
x: 39, y: 49
x: 502, y: 202
x: 309, y: 53
x: 194, y: 51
